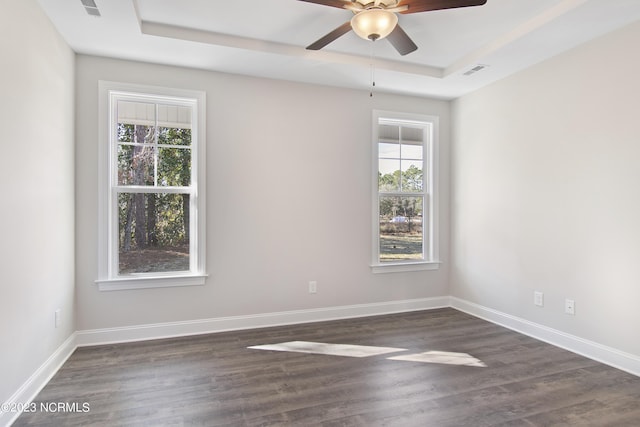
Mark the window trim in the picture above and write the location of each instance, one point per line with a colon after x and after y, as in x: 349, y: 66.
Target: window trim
x: 107, y: 280
x: 431, y: 194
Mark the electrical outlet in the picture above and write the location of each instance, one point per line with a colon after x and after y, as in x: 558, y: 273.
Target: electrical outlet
x: 538, y: 298
x: 313, y: 287
x: 570, y: 306
x: 57, y: 318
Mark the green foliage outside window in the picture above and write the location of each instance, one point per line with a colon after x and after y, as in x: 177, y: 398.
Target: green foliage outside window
x: 153, y: 157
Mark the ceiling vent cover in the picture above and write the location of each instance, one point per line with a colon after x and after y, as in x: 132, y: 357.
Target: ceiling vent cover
x: 475, y: 69
x: 90, y: 7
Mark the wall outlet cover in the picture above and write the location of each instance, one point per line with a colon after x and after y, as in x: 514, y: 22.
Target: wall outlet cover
x: 569, y: 306
x: 538, y: 298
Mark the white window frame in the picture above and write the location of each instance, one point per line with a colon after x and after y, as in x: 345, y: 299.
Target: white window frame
x: 430, y: 193
x: 108, y: 278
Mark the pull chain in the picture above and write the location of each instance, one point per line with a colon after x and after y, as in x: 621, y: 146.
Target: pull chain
x: 373, y: 69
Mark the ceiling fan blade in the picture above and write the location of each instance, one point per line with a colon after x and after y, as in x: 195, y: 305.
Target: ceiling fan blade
x: 401, y: 41
x: 325, y: 40
x: 416, y: 6
x: 333, y: 3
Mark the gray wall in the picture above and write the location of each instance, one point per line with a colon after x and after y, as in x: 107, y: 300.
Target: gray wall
x: 546, y: 192
x: 288, y: 199
x: 37, y: 175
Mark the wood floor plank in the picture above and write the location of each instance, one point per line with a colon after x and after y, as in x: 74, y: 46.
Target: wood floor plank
x: 215, y: 380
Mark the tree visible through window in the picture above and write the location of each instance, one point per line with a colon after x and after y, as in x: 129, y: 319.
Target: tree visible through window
x: 404, y: 184
x: 153, y: 228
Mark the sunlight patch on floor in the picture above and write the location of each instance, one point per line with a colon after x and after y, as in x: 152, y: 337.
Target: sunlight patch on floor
x: 328, y: 349
x: 349, y: 350
x: 442, y: 357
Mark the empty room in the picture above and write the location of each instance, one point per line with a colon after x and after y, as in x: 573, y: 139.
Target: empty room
x: 320, y: 212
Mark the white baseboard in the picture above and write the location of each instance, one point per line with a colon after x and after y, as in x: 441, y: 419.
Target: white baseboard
x: 36, y: 382
x: 601, y: 353
x: 222, y: 324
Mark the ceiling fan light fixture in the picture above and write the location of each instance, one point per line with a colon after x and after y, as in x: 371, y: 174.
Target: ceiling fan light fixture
x: 374, y: 24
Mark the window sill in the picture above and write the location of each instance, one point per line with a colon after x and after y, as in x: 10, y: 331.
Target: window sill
x: 398, y: 267
x: 126, y: 283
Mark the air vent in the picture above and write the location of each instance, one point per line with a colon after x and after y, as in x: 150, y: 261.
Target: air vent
x: 90, y: 7
x: 475, y: 69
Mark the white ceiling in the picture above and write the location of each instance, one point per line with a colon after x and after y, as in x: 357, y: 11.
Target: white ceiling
x: 267, y: 38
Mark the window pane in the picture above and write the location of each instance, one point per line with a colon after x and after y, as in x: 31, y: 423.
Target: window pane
x: 153, y: 233
x: 388, y: 151
x: 125, y: 132
x: 174, y: 167
x: 412, y: 176
x: 125, y: 160
x: 174, y: 136
x: 135, y: 164
x: 135, y: 133
x: 401, y: 228
x: 389, y: 175
x: 413, y: 152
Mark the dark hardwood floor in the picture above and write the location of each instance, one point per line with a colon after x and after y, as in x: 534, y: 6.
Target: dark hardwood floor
x: 214, y: 380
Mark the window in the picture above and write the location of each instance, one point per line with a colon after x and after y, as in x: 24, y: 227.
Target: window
x: 405, y: 232
x: 151, y: 187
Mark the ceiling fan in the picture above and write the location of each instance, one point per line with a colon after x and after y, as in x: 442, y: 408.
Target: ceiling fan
x: 377, y: 19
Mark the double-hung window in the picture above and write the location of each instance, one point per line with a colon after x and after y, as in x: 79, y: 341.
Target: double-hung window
x: 405, y: 229
x: 151, y: 187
